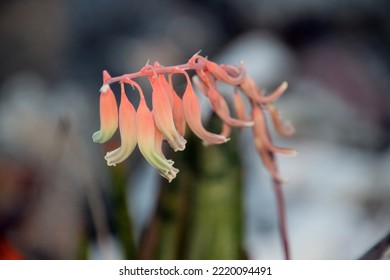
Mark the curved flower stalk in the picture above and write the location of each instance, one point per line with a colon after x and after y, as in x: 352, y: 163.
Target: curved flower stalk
x: 171, y: 114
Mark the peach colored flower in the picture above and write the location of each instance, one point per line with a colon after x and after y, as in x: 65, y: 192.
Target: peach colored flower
x: 170, y: 114
x: 177, y: 106
x: 108, y: 113
x: 147, y: 142
x: 127, y: 128
x: 163, y: 113
x: 192, y: 115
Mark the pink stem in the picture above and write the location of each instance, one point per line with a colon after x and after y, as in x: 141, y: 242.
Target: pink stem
x: 159, y: 70
x: 282, y: 218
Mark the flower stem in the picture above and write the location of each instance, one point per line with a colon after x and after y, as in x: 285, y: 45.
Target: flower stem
x: 159, y: 70
x: 282, y: 217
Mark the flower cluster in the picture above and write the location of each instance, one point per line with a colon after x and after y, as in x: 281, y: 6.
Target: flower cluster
x: 171, y: 114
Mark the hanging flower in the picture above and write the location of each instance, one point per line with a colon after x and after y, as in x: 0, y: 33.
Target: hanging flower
x: 108, y: 113
x: 162, y: 101
x: 170, y: 114
x: 149, y: 142
x: 127, y: 128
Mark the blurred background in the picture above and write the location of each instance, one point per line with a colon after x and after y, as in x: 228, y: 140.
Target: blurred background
x: 59, y: 200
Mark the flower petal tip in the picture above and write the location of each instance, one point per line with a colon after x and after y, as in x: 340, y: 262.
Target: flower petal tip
x: 249, y: 124
x: 109, y: 161
x: 106, y: 76
x: 96, y: 136
x: 99, y: 137
x: 104, y: 88
x: 181, y: 147
x: 170, y: 174
x: 206, y: 143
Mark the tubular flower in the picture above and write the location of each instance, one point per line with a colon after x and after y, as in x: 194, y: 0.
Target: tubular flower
x: 177, y: 109
x: 147, y: 142
x: 192, y: 115
x: 108, y: 113
x: 170, y: 114
x: 127, y: 128
x: 222, y: 109
x: 163, y: 114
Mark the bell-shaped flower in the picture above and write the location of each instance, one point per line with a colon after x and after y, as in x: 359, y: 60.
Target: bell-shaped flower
x: 147, y: 142
x: 163, y: 114
x: 261, y: 131
x: 108, y: 113
x: 127, y: 129
x: 192, y: 114
x: 204, y: 81
x: 177, y: 107
x: 221, y: 108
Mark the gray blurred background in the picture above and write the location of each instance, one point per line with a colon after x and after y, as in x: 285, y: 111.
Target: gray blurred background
x: 58, y: 200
